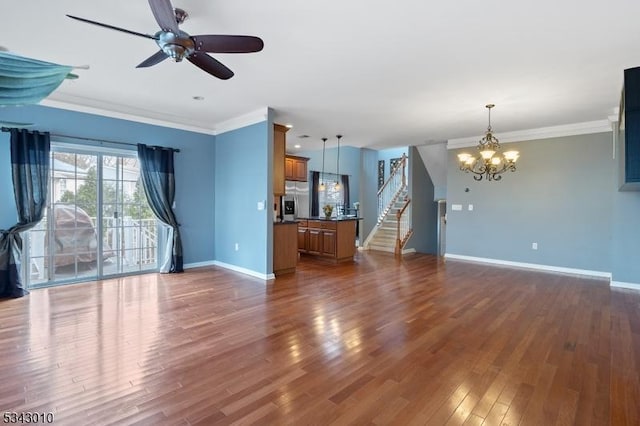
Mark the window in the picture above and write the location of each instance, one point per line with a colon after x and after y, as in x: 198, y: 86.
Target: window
x: 331, y: 195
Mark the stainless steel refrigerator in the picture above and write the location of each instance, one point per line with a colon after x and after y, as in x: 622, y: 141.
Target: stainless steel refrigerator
x: 296, y: 202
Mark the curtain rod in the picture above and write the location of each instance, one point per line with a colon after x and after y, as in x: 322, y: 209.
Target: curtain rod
x: 8, y: 129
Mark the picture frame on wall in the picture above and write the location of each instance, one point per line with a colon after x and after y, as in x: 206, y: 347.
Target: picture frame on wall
x: 380, y: 173
x: 393, y: 163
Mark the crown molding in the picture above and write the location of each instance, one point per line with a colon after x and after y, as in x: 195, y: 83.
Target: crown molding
x: 124, y: 113
x: 61, y: 103
x: 244, y: 120
x: 585, y: 128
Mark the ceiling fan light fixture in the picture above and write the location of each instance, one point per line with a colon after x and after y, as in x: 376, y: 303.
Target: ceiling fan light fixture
x: 178, y: 45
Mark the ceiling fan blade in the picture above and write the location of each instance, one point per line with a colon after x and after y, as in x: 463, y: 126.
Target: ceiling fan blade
x: 165, y: 16
x: 154, y: 59
x: 210, y: 65
x: 228, y: 43
x: 111, y: 27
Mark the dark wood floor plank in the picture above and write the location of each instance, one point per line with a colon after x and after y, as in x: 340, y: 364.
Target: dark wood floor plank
x: 379, y: 341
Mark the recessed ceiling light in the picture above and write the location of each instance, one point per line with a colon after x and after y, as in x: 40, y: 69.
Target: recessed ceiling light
x: 297, y: 146
x: 198, y: 98
x: 288, y: 126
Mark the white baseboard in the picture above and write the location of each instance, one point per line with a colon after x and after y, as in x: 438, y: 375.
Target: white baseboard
x: 199, y: 264
x: 620, y: 284
x: 244, y: 270
x: 547, y: 268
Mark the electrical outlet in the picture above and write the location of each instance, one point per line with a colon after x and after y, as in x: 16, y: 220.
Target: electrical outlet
x: 237, y: 247
x: 534, y: 246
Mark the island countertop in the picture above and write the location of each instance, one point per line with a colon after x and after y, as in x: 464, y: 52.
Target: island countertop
x: 286, y: 222
x: 331, y: 219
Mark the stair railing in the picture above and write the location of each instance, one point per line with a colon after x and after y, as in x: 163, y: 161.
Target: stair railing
x: 403, y: 230
x: 393, y: 186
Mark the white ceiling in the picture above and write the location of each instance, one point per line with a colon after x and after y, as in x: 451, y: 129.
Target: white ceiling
x: 382, y: 73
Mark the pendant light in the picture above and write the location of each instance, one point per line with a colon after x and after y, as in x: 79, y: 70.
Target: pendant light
x: 338, y: 163
x: 322, y: 187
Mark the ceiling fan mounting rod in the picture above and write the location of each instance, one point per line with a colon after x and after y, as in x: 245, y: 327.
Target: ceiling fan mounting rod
x: 181, y: 15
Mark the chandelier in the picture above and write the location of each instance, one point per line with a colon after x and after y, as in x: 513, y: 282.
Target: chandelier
x: 488, y: 166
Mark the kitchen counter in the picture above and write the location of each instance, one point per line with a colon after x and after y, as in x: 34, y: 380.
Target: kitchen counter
x: 331, y: 219
x: 286, y: 222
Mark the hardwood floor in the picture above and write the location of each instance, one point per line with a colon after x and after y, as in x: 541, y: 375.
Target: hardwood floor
x: 380, y: 341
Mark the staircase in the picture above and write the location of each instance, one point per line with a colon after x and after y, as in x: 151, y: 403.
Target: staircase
x: 393, y: 229
x: 385, y: 236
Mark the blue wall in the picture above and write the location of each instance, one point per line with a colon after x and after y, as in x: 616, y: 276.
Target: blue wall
x: 193, y: 166
x: 387, y: 155
x: 244, y: 178
x: 561, y: 197
x: 424, y: 210
x: 369, y: 191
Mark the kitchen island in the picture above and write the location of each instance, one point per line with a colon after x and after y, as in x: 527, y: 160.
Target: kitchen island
x: 332, y: 239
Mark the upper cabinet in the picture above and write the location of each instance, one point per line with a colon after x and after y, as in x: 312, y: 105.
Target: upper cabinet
x: 279, y: 145
x: 629, y: 132
x: 295, y: 168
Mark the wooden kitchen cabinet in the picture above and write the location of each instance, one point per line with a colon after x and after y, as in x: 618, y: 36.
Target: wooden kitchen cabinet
x: 295, y: 168
x: 314, y: 245
x: 329, y: 242
x: 285, y: 248
x: 329, y: 239
x: 303, y: 238
x: 279, y: 146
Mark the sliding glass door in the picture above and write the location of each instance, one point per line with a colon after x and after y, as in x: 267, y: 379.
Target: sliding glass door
x: 129, y: 226
x: 97, y: 222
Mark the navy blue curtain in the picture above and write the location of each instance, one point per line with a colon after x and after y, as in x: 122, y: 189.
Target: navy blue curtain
x: 30, y: 173
x: 315, y: 201
x: 158, y: 181
x: 346, y: 200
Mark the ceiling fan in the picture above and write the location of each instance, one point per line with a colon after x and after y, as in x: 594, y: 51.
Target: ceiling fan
x: 178, y: 45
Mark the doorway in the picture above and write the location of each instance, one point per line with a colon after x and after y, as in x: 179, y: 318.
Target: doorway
x: 97, y: 222
x: 442, y: 227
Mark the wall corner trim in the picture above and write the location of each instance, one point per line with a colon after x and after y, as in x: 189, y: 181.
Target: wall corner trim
x: 241, y: 121
x: 630, y: 286
x: 575, y: 129
x: 245, y: 271
x: 536, y: 266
